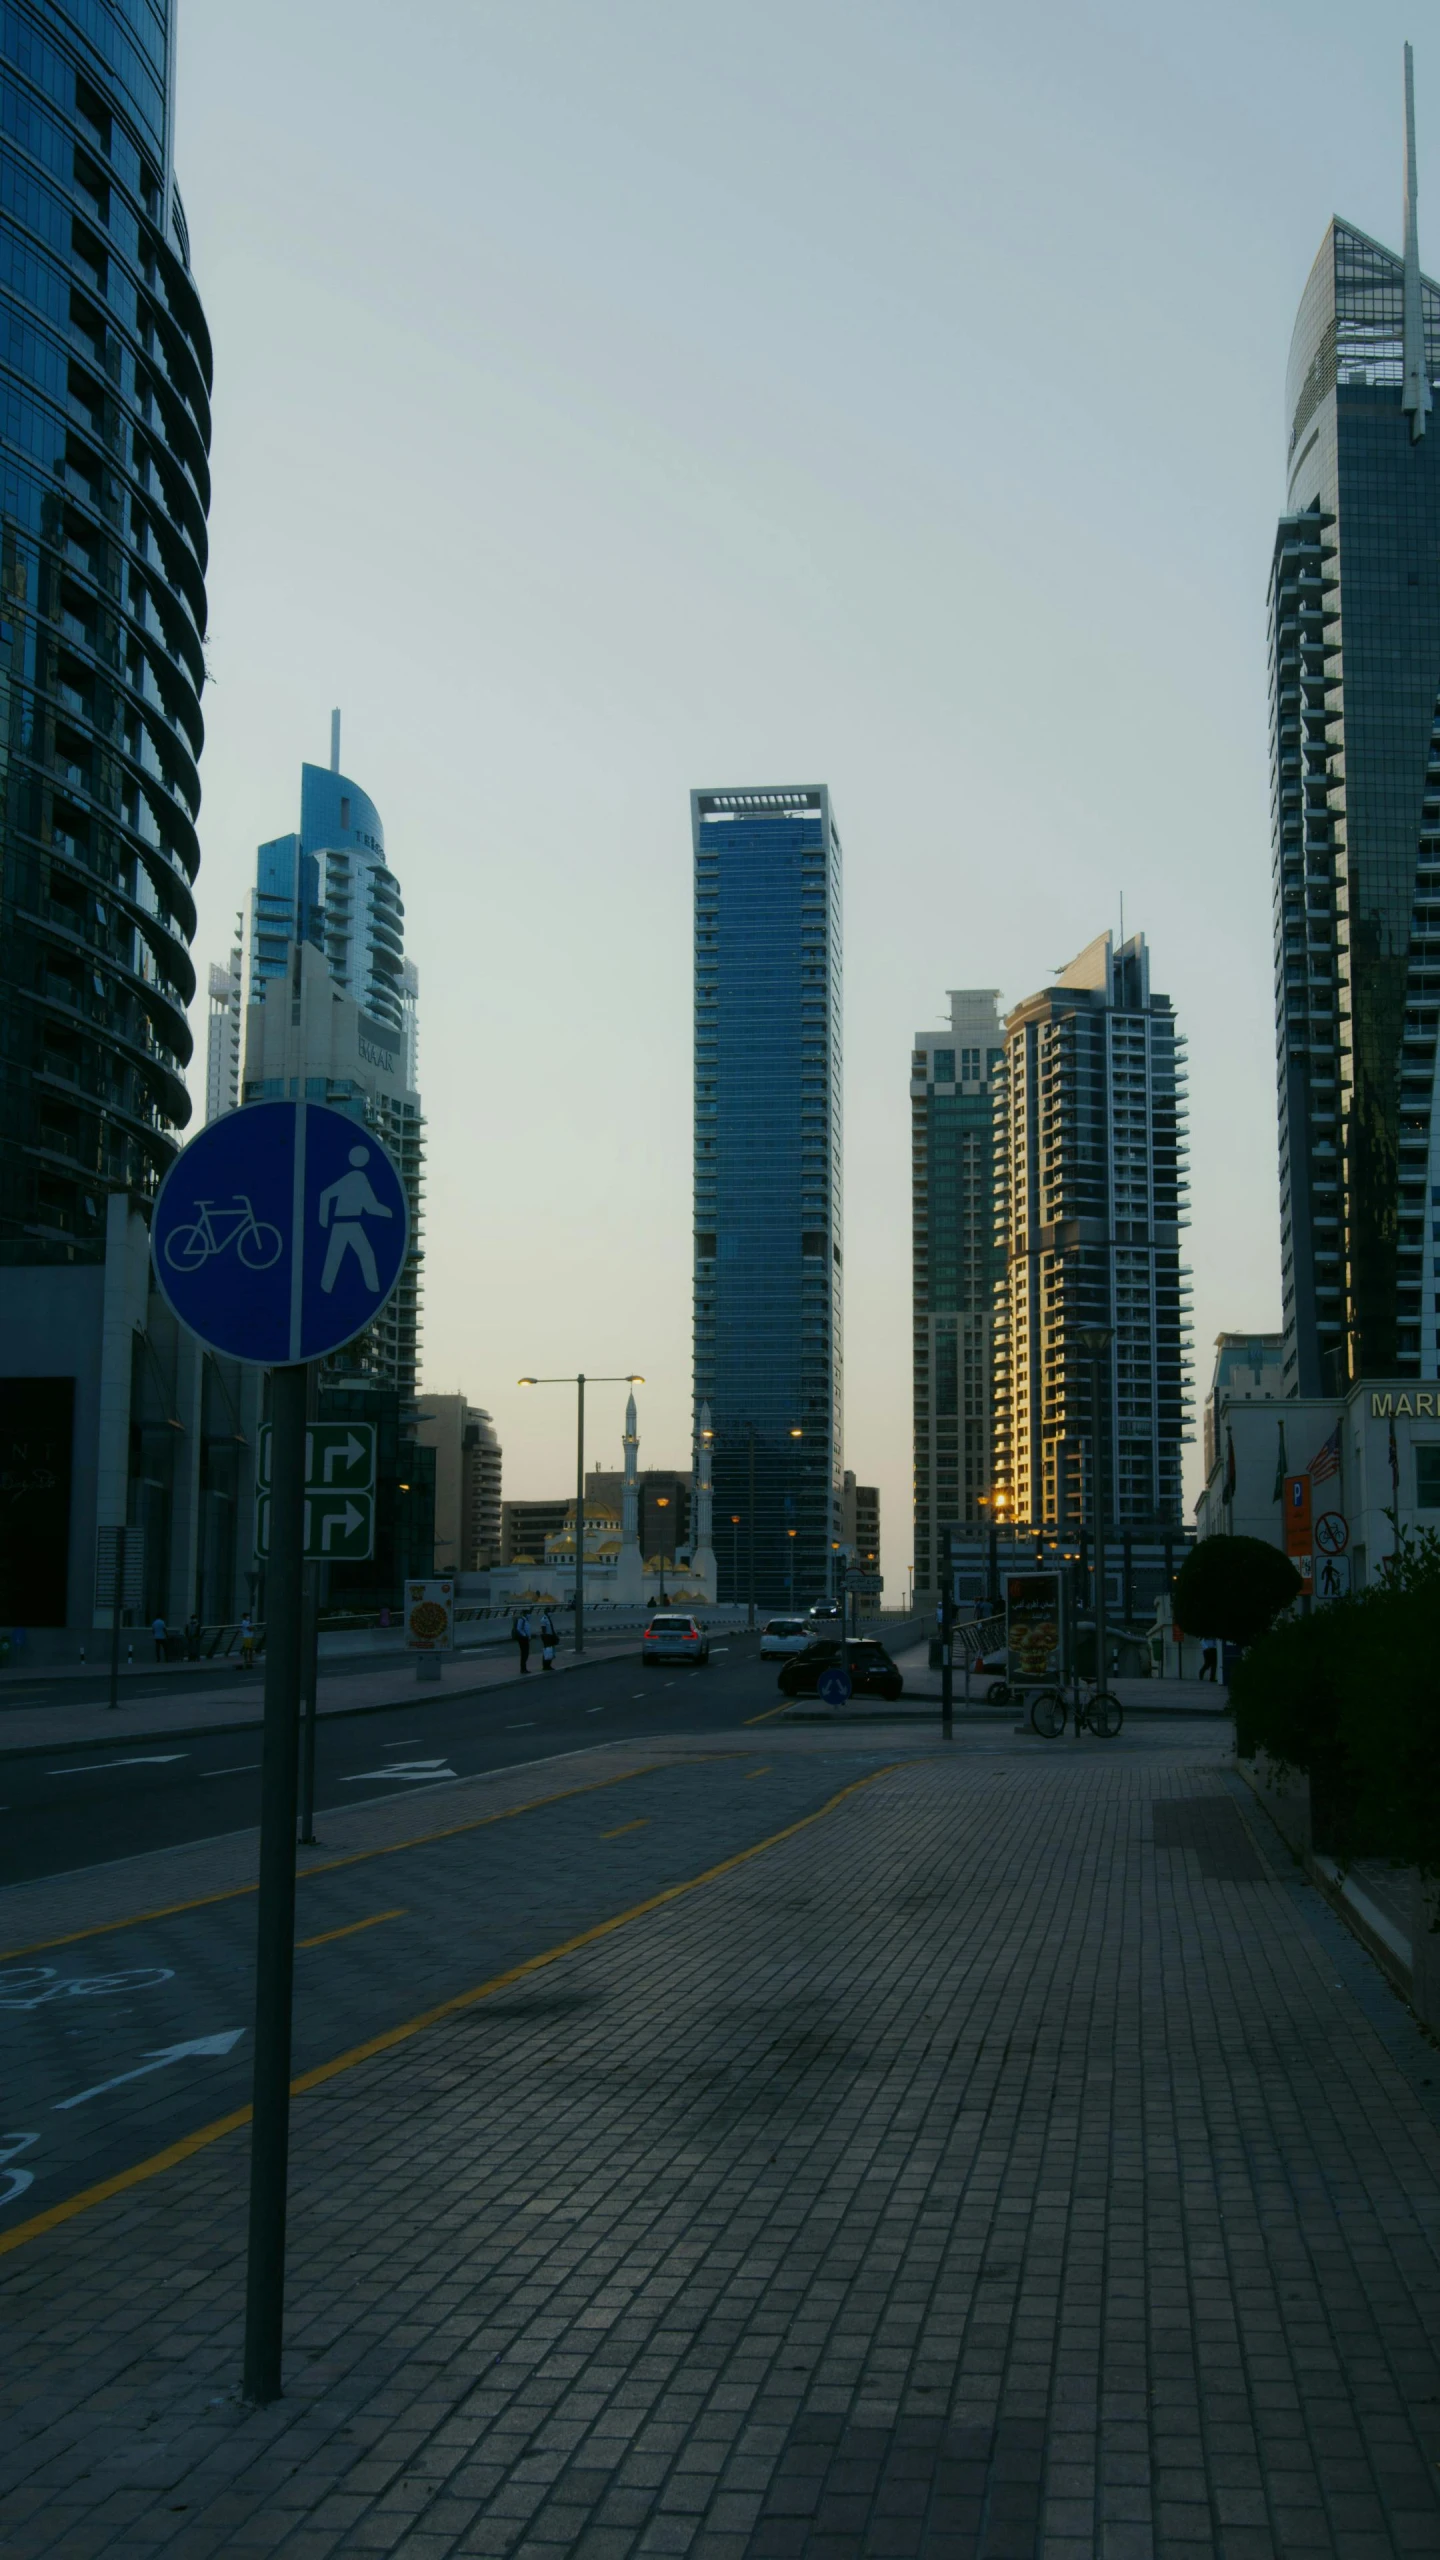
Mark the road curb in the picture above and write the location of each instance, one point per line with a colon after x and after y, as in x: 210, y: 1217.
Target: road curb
x: 254, y: 1724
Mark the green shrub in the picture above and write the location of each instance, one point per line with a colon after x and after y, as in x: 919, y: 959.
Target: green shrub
x: 1234, y: 1588
x: 1351, y: 1695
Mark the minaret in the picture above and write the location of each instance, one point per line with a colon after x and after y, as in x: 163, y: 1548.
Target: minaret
x: 1415, y: 399
x: 702, y: 1538
x: 630, y: 1572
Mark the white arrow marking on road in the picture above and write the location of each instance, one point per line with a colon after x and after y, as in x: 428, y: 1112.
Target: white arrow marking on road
x: 352, y: 1450
x: 402, y: 1769
x: 353, y: 1519
x: 143, y: 1760
x: 156, y: 2061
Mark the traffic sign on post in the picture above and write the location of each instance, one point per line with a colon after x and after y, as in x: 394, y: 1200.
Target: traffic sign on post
x: 339, y: 1457
x: 339, y: 1527
x: 278, y: 1235
x: 280, y: 1231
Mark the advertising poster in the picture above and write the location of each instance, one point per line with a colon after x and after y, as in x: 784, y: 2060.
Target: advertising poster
x: 1032, y: 1628
x: 430, y: 1617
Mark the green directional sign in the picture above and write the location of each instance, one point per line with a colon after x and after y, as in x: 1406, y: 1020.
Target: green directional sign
x: 339, y: 1457
x: 339, y: 1527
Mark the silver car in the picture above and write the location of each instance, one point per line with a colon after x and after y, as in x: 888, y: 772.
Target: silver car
x: 672, y: 1638
x: 783, y: 1635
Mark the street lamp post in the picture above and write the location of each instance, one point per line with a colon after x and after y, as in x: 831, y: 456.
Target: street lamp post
x: 662, y: 1503
x: 1095, y: 1342
x: 632, y: 1378
x: 790, y: 1534
x: 734, y: 1555
x: 796, y: 1433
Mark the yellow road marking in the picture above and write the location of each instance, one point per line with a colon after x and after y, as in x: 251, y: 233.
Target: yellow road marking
x: 392, y: 2036
x: 759, y: 1773
x: 357, y: 1857
x: 769, y: 1712
x: 619, y: 1833
x: 350, y: 1928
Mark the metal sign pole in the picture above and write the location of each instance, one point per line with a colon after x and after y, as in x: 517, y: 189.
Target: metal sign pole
x: 115, y: 1620
x: 580, y: 1513
x: 310, y: 1649
x: 275, y: 1932
x: 947, y: 1647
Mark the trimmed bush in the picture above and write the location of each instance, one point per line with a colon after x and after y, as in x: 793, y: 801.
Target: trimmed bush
x: 1351, y: 1695
x: 1234, y: 1588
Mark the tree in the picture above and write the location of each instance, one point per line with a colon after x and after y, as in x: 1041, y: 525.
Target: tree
x: 1234, y: 1588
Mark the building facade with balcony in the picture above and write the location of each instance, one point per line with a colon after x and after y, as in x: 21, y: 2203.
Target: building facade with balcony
x: 1090, y: 1184
x: 103, y: 553
x: 954, y: 1265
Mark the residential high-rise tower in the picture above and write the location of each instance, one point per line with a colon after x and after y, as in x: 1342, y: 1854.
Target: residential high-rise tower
x: 106, y: 436
x: 1090, y: 1176
x: 768, y: 1197
x: 1354, y: 638
x: 955, y: 1264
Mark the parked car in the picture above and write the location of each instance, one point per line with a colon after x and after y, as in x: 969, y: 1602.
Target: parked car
x: 673, y: 1638
x: 872, y: 1673
x: 783, y: 1635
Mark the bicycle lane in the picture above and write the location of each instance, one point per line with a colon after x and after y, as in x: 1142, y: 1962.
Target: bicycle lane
x: 113, y: 2049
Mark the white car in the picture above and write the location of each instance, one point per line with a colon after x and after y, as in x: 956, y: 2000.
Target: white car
x: 783, y: 1635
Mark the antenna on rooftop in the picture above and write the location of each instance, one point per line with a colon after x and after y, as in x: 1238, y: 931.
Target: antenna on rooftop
x: 1415, y: 399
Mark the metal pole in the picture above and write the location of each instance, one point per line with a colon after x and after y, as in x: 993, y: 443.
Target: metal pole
x: 751, y: 1531
x: 947, y: 1620
x: 309, y: 1654
x: 115, y: 1620
x: 275, y: 1931
x: 1099, y: 1472
x: 580, y: 1513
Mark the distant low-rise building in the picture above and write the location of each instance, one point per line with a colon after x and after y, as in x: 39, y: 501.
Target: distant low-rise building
x: 1365, y: 1463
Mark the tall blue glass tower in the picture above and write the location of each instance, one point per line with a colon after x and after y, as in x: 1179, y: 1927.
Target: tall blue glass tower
x: 104, y: 489
x: 768, y: 1183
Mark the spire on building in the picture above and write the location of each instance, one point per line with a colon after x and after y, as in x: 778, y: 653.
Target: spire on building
x: 1415, y: 399
x: 334, y: 741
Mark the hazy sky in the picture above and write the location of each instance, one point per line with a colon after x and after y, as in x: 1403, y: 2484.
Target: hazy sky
x: 614, y: 396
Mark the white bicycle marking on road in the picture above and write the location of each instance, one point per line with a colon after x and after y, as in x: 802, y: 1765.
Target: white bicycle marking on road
x: 80, y: 1986
x: 16, y: 2180
x: 157, y: 2059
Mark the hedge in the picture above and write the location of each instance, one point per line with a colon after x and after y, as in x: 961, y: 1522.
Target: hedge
x: 1350, y: 1694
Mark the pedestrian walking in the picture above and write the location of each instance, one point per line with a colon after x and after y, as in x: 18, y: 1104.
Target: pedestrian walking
x: 1209, y: 1659
x: 547, y: 1640
x: 520, y: 1630
x: 192, y: 1637
x: 247, y: 1645
x: 157, y: 1629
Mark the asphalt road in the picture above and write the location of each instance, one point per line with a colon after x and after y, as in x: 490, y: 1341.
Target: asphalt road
x: 83, y: 1806
x: 147, y: 1679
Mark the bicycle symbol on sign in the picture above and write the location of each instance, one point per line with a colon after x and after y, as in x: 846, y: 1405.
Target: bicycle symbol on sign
x: 215, y: 1230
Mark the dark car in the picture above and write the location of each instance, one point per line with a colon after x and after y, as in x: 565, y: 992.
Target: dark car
x: 872, y: 1673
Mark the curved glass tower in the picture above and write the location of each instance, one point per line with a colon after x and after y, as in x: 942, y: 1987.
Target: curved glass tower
x: 105, y: 435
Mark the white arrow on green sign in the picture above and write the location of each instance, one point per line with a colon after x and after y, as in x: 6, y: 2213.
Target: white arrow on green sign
x: 339, y: 1457
x: 339, y: 1527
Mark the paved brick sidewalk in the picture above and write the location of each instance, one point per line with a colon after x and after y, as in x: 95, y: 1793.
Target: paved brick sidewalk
x: 1008, y: 2164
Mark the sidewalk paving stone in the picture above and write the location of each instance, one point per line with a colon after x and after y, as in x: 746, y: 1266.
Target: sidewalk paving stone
x: 990, y: 2169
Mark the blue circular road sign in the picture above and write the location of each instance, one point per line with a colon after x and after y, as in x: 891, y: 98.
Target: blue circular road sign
x: 834, y: 1686
x: 280, y: 1232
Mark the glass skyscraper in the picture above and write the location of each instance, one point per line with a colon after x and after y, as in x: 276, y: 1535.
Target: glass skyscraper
x: 105, y: 434
x: 768, y: 1197
x: 1354, y: 640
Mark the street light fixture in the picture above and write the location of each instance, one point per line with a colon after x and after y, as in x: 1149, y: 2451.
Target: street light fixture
x: 631, y: 1378
x: 662, y: 1503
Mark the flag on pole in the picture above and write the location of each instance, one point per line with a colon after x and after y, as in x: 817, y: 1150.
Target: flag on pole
x: 1230, y: 1463
x: 1326, y: 1461
x: 1281, y: 1470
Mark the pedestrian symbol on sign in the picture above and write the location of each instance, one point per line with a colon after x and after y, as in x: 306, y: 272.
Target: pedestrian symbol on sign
x: 352, y: 1199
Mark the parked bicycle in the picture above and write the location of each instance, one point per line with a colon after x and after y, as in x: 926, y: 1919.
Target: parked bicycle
x: 1101, y: 1711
